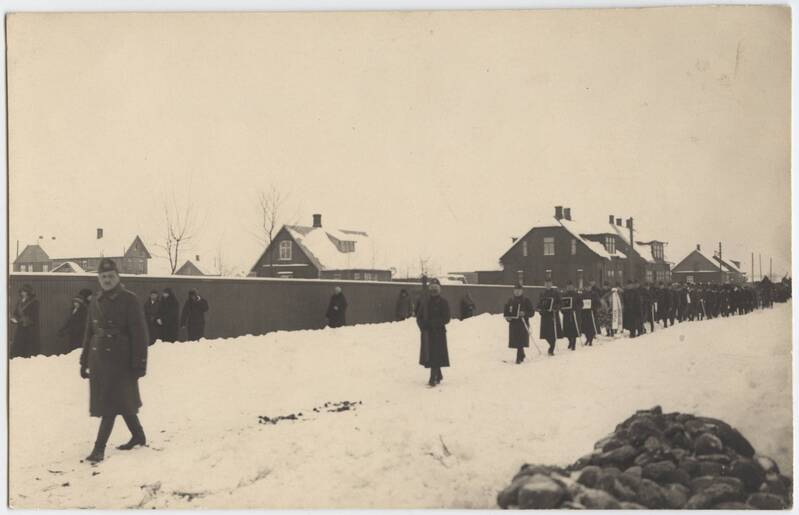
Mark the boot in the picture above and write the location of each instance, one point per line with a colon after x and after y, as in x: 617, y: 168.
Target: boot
x: 137, y: 438
x: 97, y: 455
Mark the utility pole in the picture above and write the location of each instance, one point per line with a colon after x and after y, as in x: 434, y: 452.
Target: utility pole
x: 632, y: 247
x: 769, y: 269
x: 721, y: 268
x: 753, y: 268
x: 760, y: 264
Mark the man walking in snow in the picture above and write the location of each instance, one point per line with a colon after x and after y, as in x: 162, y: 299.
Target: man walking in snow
x: 570, y: 304
x: 632, y: 309
x: 336, y: 313
x: 193, y: 316
x: 518, y: 311
x: 549, y: 305
x: 113, y: 359
x: 432, y: 317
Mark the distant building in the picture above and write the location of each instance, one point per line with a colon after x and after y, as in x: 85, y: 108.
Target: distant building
x: 318, y: 253
x: 130, y: 254
x: 700, y: 267
x: 563, y: 250
x: 68, y: 267
x: 194, y: 267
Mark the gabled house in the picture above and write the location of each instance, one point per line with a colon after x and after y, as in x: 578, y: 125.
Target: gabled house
x: 564, y: 250
x: 194, y: 267
x: 701, y: 267
x: 130, y: 254
x: 319, y: 253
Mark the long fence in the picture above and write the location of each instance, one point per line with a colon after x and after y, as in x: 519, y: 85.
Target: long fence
x: 241, y: 306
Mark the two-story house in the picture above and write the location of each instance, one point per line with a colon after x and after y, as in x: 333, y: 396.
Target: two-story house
x: 701, y: 267
x: 316, y: 252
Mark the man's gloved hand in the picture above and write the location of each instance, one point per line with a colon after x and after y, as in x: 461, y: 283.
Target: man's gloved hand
x: 84, y: 372
x: 139, y: 372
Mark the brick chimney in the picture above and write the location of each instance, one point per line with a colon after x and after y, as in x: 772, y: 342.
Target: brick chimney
x: 627, y: 223
x: 698, y: 247
x: 197, y: 257
x: 618, y: 222
x: 99, y: 233
x: 317, y: 220
x: 558, y: 212
x: 513, y: 239
x: 567, y: 213
x: 610, y: 219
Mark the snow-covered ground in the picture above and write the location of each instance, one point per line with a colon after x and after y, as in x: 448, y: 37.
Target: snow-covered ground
x: 406, y: 445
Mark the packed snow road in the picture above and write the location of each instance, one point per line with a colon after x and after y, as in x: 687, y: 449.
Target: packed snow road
x: 398, y: 444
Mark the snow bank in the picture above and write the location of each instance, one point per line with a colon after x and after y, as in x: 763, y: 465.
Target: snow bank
x: 405, y: 446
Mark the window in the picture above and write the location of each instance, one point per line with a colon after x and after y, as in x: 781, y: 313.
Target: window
x: 579, y: 274
x: 367, y: 276
x: 574, y: 246
x: 520, y: 276
x: 45, y: 268
x: 357, y: 276
x: 689, y: 279
x: 620, y: 276
x: 609, y: 274
x: 549, y: 246
x: 610, y: 244
x: 524, y: 248
x: 657, y: 250
x: 547, y: 274
x: 649, y: 276
x: 285, y: 275
x: 337, y: 276
x: 347, y: 246
x: 285, y: 250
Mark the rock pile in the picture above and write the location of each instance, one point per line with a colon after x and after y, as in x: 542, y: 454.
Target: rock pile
x: 657, y: 461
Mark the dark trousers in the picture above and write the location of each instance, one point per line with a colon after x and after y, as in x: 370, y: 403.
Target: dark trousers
x: 589, y: 340
x: 551, y: 342
x: 435, y: 374
x: 520, y: 355
x: 572, y: 342
x: 107, y: 425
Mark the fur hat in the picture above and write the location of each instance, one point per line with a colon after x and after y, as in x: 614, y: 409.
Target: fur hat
x: 435, y: 280
x: 27, y: 288
x: 107, y: 265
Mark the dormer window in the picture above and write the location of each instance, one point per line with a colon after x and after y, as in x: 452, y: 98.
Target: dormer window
x: 610, y: 244
x: 347, y: 246
x: 657, y: 250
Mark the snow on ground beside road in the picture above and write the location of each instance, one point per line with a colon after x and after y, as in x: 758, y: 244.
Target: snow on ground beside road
x: 406, y: 446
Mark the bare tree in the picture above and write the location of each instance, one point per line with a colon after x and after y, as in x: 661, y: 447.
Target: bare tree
x: 271, y: 203
x: 181, y: 227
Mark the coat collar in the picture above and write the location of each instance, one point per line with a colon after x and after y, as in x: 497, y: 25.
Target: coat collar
x: 112, y: 293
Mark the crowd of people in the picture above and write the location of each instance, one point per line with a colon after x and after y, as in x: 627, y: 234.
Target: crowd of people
x: 162, y: 312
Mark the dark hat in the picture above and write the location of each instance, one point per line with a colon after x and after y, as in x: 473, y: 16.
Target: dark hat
x: 27, y: 288
x: 85, y: 293
x: 192, y: 292
x: 435, y: 280
x: 107, y: 265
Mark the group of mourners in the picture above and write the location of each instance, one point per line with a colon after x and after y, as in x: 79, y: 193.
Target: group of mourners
x: 573, y: 313
x: 162, y: 313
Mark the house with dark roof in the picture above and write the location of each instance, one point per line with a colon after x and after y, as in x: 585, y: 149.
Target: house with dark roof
x: 195, y: 267
x: 130, y: 254
x: 316, y: 252
x: 700, y: 267
x: 562, y: 249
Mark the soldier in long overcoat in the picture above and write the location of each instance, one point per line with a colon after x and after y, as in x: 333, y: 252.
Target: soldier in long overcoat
x: 589, y: 314
x: 168, y: 316
x: 25, y: 319
x: 518, y: 311
x: 432, y: 317
x: 632, y: 309
x: 74, y: 327
x: 336, y: 313
x: 570, y: 303
x: 152, y: 310
x: 549, y: 308
x: 114, y: 357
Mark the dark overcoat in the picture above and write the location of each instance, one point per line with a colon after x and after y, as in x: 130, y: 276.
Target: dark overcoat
x: 152, y: 312
x: 168, y: 313
x: 115, y: 351
x: 589, y: 310
x: 571, y: 322
x: 336, y: 313
x: 25, y: 342
x: 193, y: 317
x: 664, y: 303
x: 74, y: 327
x: 518, y: 311
x: 548, y: 306
x: 432, y: 317
x: 631, y: 301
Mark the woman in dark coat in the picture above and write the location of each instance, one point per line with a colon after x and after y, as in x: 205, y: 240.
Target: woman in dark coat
x: 518, y: 311
x: 193, y: 316
x: 336, y: 313
x: 432, y: 316
x: 548, y: 306
x: 404, y: 309
x: 75, y: 324
x: 152, y: 311
x: 168, y: 316
x: 570, y: 307
x: 26, y: 320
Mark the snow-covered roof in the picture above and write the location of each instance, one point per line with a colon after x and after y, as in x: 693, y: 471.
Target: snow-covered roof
x: 577, y: 231
x: 728, y: 264
x: 645, y: 250
x: 323, y: 248
x: 110, y: 245
x: 68, y: 266
x: 203, y: 267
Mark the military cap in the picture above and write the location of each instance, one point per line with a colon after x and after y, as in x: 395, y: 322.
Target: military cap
x: 107, y: 265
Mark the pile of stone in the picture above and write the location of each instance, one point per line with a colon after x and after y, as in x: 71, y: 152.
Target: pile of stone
x: 657, y: 461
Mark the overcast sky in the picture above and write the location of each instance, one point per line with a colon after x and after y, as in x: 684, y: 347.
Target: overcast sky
x: 442, y: 134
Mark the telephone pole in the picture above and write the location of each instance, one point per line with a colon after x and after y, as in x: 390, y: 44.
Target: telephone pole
x: 721, y: 267
x: 760, y: 264
x: 752, y: 278
x: 769, y: 270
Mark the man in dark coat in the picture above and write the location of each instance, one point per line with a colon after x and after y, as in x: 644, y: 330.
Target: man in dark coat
x: 468, y: 306
x: 646, y: 309
x: 590, y: 303
x: 404, y: 305
x: 152, y: 310
x: 168, y: 319
x: 632, y: 309
x: 26, y: 320
x: 432, y: 317
x: 674, y: 302
x: 114, y: 357
x: 664, y: 304
x: 518, y: 311
x: 549, y: 307
x: 193, y: 316
x: 336, y: 313
x: 74, y: 327
x: 570, y: 304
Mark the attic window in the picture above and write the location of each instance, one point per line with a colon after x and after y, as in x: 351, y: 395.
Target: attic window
x: 610, y: 244
x: 657, y: 250
x: 285, y: 250
x: 347, y: 246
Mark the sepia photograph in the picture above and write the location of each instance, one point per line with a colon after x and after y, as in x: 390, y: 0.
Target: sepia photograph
x: 526, y: 258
